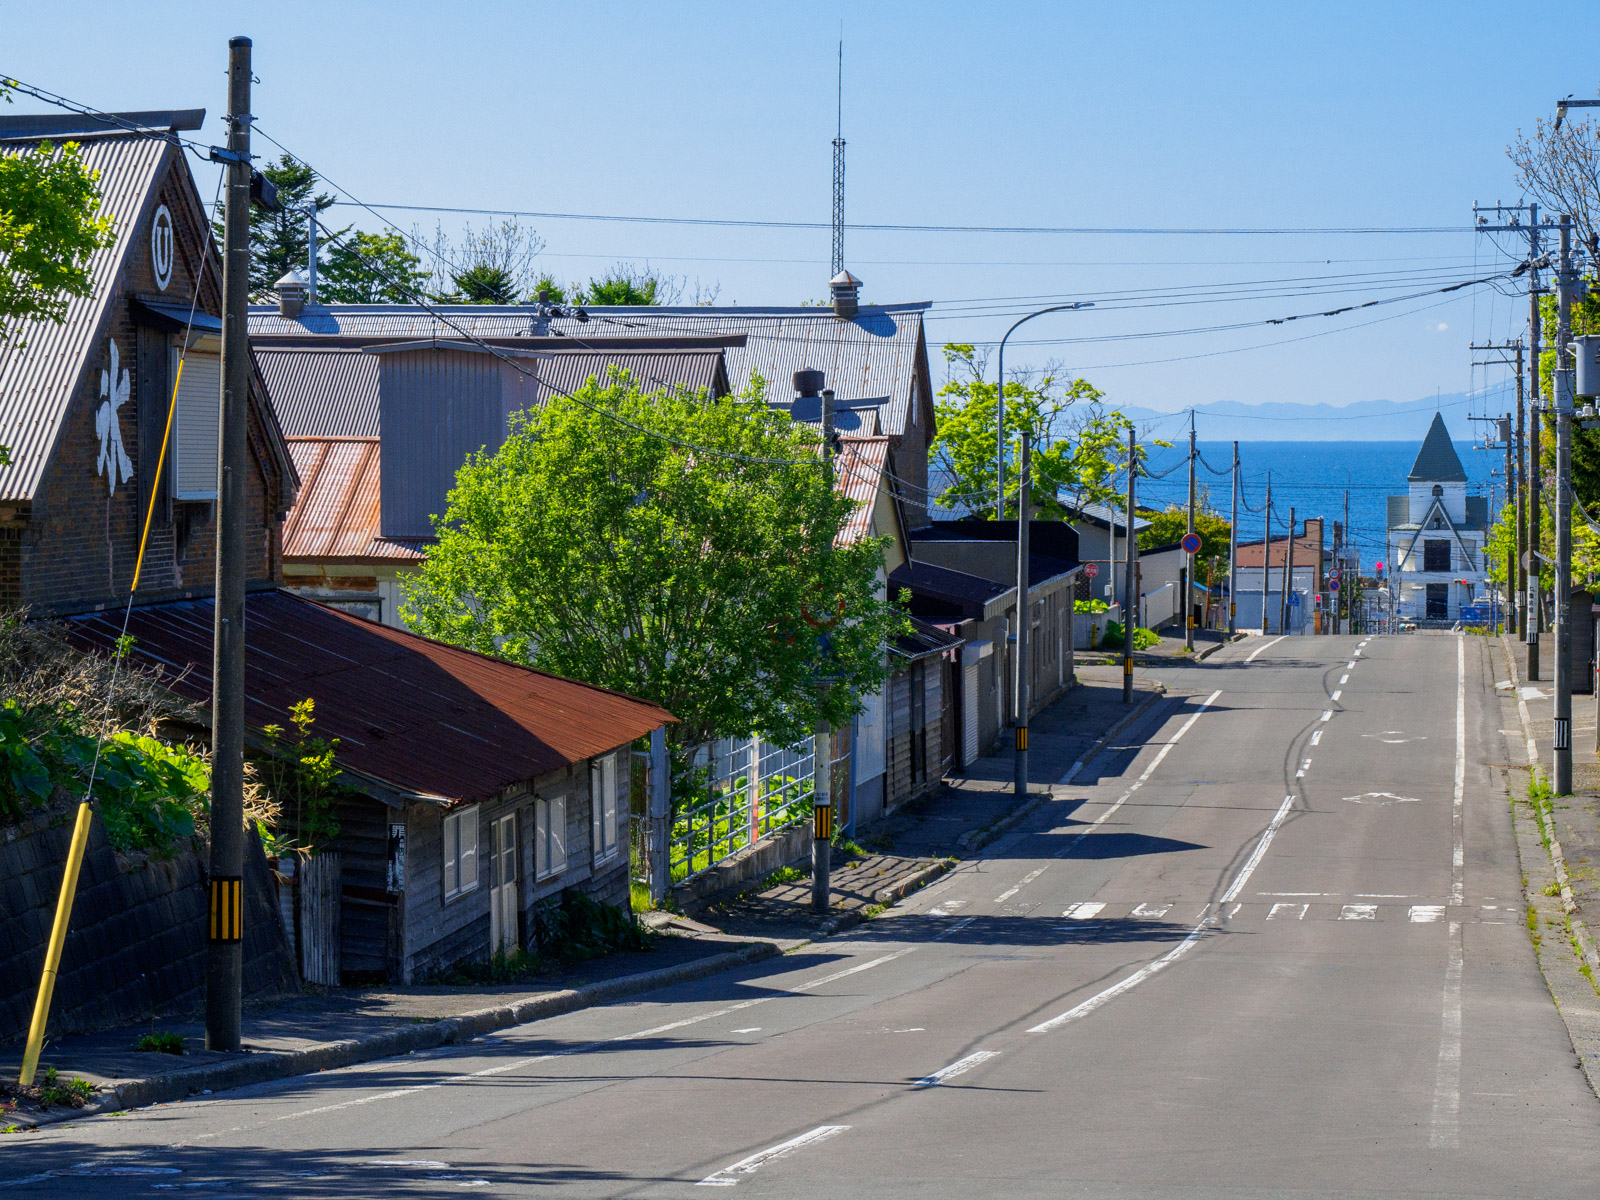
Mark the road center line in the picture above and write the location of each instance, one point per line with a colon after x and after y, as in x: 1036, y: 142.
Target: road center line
x: 1020, y: 884
x: 1458, y: 853
x: 1446, y: 1131
x: 729, y: 1176
x: 1171, y: 956
x: 1316, y: 737
x: 960, y: 1066
x: 1251, y: 657
x: 1145, y: 775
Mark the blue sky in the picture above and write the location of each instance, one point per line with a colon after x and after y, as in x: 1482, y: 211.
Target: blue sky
x: 1086, y: 115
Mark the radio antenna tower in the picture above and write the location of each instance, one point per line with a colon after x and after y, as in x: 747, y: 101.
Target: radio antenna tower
x: 838, y: 176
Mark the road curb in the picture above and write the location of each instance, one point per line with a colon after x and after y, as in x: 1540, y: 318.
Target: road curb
x: 978, y: 839
x: 1202, y: 655
x: 265, y: 1066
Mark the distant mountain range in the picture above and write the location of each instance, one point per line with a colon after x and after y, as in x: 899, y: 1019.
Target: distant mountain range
x: 1277, y: 421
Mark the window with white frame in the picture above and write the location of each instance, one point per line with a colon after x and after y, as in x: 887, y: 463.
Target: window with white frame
x: 606, y: 806
x: 549, y: 836
x: 460, y: 852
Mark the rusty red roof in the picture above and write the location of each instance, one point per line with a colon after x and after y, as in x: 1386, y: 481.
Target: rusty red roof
x: 335, y: 516
x: 425, y: 718
x: 858, y: 471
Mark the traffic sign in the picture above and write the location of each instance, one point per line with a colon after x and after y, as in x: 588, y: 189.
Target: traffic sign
x: 1191, y: 543
x: 1090, y: 570
x: 1294, y: 599
x: 1333, y: 585
x: 1333, y: 576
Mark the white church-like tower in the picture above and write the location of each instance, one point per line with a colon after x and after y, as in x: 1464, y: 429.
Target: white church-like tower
x: 1436, y: 535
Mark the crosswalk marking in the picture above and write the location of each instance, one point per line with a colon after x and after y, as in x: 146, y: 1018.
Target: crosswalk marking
x: 1421, y: 913
x: 1085, y: 910
x: 1286, y: 909
x: 1359, y: 912
x: 1087, y: 916
x: 1151, y: 910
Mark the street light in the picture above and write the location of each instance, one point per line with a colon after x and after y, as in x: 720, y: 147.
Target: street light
x: 1024, y: 689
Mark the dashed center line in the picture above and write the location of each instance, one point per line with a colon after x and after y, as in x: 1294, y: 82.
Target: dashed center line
x: 1344, y: 679
x: 1020, y: 884
x: 1316, y: 737
x: 1327, y: 714
x: 1335, y: 696
x: 745, y: 1167
x: 960, y: 1066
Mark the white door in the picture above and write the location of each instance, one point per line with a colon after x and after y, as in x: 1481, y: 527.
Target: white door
x: 969, y: 715
x: 503, y: 886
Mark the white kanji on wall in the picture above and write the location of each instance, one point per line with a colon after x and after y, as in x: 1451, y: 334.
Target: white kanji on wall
x: 113, y: 461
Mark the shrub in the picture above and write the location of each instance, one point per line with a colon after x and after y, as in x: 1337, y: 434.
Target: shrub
x: 1090, y: 606
x: 160, y: 1043
x: 1142, y: 638
x: 580, y: 928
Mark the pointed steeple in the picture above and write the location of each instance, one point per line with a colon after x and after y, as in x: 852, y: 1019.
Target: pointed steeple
x: 1437, y: 461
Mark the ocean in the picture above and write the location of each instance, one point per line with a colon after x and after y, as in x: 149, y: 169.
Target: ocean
x: 1311, y: 476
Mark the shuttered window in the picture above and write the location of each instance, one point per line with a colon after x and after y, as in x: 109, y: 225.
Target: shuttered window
x: 193, y: 448
x: 460, y: 852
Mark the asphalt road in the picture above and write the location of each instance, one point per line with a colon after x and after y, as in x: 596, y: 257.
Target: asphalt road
x: 1272, y: 949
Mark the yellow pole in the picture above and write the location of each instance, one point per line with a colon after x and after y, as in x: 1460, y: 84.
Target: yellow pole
x: 58, y: 936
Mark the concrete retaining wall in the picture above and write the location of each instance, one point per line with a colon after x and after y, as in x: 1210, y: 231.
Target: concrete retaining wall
x: 787, y: 846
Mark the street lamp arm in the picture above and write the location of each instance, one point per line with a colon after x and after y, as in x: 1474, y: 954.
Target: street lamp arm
x: 1000, y: 400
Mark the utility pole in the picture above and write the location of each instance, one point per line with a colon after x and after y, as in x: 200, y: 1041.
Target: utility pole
x: 1341, y: 614
x: 1188, y: 559
x: 224, y: 946
x: 1288, y: 576
x: 1510, y: 589
x: 1024, y: 613
x: 1562, y: 781
x: 1266, y: 552
x: 822, y: 744
x: 1130, y: 603
x: 1519, y: 574
x: 1233, y: 549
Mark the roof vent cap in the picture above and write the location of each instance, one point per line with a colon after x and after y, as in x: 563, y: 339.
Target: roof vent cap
x: 807, y: 404
x: 291, y: 291
x: 845, y: 289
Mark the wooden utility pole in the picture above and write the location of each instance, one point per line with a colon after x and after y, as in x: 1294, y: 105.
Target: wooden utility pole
x: 1130, y: 601
x: 1266, y: 552
x: 1519, y: 577
x: 822, y: 806
x: 1233, y: 549
x: 1535, y: 469
x: 1288, y: 576
x: 224, y: 947
x: 1188, y: 559
x: 1024, y: 613
x: 1566, y: 278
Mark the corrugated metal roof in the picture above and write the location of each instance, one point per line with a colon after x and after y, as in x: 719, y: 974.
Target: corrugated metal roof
x: 858, y: 473
x: 877, y: 353
x: 40, y: 361
x: 321, y: 393
x: 924, y: 640
x: 336, y: 513
x: 417, y: 714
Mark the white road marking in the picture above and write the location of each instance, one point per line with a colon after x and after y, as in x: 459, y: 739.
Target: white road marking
x: 1251, y: 657
x: 1316, y: 738
x: 947, y: 908
x: 1151, y: 910
x: 1335, y: 697
x: 1139, y: 783
x: 1085, y: 910
x: 729, y: 1176
x: 1079, y: 1011
x: 1235, y: 911
x: 1297, y: 893
x: 408, y: 1162
x: 960, y: 1066
x: 1350, y: 666
x: 1383, y: 895
x: 1284, y: 909
x: 953, y: 929
x: 1458, y: 856
x: 1384, y: 798
x: 1359, y: 912
x: 1423, y: 913
x: 749, y: 1029
x: 1344, y: 679
x: 1446, y: 1130
x: 518, y: 1064
x: 1020, y: 884
x: 1327, y: 713
x: 1300, y: 774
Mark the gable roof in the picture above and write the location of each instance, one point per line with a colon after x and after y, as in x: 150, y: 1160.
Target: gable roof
x: 1437, y: 461
x: 859, y: 473
x: 336, y: 512
x: 430, y: 720
x: 41, y: 362
x: 880, y: 353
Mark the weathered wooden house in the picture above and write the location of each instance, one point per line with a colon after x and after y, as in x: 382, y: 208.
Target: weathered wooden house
x: 480, y: 790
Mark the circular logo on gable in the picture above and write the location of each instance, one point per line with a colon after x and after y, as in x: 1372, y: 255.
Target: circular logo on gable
x: 161, y: 246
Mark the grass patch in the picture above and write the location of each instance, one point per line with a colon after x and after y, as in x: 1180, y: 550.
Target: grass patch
x: 160, y: 1043
x: 50, y: 1091
x: 845, y: 845
x: 781, y: 876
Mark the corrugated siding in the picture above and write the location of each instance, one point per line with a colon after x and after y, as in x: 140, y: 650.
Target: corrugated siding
x: 194, y: 427
x: 335, y: 516
x: 41, y: 362
x: 858, y: 473
x: 876, y: 354
x: 322, y: 393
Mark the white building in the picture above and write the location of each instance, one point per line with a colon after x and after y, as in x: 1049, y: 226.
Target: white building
x: 1436, y: 535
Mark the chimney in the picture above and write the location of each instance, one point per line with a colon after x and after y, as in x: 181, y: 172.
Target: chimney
x: 1313, y: 533
x: 291, y: 291
x: 845, y: 289
x: 807, y: 405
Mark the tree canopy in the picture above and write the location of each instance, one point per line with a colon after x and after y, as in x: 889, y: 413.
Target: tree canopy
x: 280, y: 241
x: 678, y: 548
x: 50, y: 227
x: 1169, y: 526
x: 371, y: 268
x: 1079, y: 446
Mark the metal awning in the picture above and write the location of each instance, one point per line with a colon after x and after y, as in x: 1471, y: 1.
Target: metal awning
x: 174, y: 318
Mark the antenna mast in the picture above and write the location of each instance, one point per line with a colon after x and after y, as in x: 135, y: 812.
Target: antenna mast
x: 838, y: 175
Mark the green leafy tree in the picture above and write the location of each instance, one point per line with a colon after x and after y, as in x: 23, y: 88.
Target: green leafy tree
x: 1078, y: 445
x: 554, y: 293
x: 371, y: 268
x: 483, y: 284
x: 301, y: 773
x: 628, y: 284
x: 50, y: 227
x: 682, y: 549
x: 1169, y: 526
x: 280, y: 241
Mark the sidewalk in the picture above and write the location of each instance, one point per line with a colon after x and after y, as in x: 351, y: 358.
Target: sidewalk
x: 1206, y: 643
x: 1558, y: 839
x: 327, y: 1028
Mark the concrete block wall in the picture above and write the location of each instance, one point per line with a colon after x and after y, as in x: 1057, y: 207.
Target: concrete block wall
x: 136, y: 945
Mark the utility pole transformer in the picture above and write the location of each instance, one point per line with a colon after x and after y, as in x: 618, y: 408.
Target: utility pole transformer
x: 224, y: 944
x: 1233, y: 549
x: 1024, y: 613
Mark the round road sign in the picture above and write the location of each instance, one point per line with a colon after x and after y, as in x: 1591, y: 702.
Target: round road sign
x: 1090, y: 570
x: 1333, y: 585
x: 1191, y: 543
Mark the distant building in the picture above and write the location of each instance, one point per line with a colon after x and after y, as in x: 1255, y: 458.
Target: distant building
x: 1436, y: 535
x: 1297, y: 610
